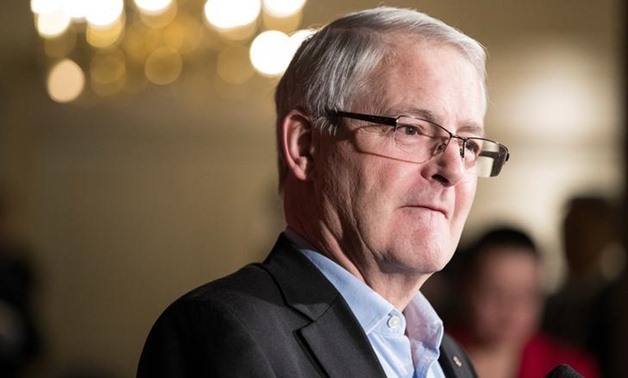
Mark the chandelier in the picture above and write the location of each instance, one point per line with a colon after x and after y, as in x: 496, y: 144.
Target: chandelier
x: 109, y: 47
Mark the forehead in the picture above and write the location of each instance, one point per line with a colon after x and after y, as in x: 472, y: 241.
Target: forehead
x: 419, y: 76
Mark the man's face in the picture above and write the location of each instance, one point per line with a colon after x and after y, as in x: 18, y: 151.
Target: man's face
x: 396, y: 216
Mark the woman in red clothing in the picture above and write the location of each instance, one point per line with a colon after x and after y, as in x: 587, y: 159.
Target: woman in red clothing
x: 503, y: 302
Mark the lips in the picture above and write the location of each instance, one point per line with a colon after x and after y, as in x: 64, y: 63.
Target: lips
x: 434, y: 208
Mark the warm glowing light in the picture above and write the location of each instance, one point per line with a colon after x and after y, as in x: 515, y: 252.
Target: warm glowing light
x: 108, y: 72
x: 108, y: 66
x: 269, y: 52
x: 101, y: 13
x: 102, y: 37
x: 45, y: 6
x: 156, y: 35
x: 282, y: 8
x: 184, y: 34
x: 65, y: 81
x: 240, y: 33
x: 174, y: 36
x: 133, y: 45
x: 286, y: 24
x: 77, y: 9
x: 160, y: 19
x: 153, y: 7
x: 163, y: 66
x: 50, y: 25
x: 228, y: 14
x: 139, y: 43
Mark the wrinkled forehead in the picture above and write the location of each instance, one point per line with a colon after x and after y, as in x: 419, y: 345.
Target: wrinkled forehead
x: 417, y: 76
x: 398, y: 44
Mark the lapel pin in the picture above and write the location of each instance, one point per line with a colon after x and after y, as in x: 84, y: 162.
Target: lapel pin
x: 457, y: 361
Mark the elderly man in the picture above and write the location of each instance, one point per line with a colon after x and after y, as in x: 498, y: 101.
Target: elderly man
x: 380, y: 138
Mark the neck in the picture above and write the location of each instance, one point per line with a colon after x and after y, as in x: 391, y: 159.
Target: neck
x: 398, y: 288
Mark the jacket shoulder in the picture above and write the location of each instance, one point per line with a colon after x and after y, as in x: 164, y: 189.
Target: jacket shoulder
x: 226, y: 326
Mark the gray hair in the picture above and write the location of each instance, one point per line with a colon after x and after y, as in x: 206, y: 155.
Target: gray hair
x: 334, y: 65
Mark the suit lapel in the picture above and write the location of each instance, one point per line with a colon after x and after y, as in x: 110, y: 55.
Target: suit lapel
x: 334, y: 336
x: 340, y: 345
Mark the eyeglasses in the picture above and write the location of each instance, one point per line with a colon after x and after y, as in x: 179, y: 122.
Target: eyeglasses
x: 417, y: 140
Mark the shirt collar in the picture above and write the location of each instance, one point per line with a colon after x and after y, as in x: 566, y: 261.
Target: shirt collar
x: 423, y: 323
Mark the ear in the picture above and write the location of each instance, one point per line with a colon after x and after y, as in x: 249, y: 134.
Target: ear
x: 297, y: 144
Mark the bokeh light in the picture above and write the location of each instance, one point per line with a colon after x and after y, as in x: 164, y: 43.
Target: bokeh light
x: 160, y: 19
x: 269, y: 52
x: 149, y: 41
x: 108, y: 72
x: 282, y: 8
x: 163, y: 66
x: 76, y: 9
x: 229, y: 14
x: 285, y: 24
x: 52, y: 24
x: 45, y: 6
x: 153, y: 7
x: 238, y: 34
x: 272, y: 50
x: 65, y: 81
x: 183, y: 34
x: 103, y: 37
x: 101, y: 13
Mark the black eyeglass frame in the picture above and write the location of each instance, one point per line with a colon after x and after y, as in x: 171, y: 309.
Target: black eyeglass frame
x: 500, y: 157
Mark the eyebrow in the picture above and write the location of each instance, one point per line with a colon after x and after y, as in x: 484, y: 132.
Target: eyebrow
x: 468, y: 126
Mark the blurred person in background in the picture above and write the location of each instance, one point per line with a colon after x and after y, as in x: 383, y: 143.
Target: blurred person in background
x: 500, y: 279
x: 586, y: 310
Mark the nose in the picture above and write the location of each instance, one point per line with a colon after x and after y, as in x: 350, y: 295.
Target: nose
x: 449, y: 168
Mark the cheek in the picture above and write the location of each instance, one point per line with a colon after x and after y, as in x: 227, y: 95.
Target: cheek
x: 465, y: 194
x: 352, y: 188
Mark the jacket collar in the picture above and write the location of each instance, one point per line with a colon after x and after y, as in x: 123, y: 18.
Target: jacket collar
x: 334, y: 336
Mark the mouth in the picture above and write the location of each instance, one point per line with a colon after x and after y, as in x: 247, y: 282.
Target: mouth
x: 431, y: 208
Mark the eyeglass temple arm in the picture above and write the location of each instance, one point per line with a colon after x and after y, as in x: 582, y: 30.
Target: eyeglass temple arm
x: 496, y: 155
x: 364, y: 117
x: 498, y: 158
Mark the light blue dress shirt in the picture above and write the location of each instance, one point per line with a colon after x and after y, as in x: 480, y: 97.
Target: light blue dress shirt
x: 407, y: 344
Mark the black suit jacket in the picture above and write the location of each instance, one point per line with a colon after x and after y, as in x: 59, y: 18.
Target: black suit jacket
x: 280, y: 318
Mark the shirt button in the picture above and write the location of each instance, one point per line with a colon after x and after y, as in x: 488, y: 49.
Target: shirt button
x: 393, y: 322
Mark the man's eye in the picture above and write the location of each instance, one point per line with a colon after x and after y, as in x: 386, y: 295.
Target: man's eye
x: 409, y: 130
x: 473, y: 146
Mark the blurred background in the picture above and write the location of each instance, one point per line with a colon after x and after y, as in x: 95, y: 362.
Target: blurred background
x: 137, y: 155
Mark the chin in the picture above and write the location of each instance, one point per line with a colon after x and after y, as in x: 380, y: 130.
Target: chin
x: 427, y: 264
x: 436, y: 257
